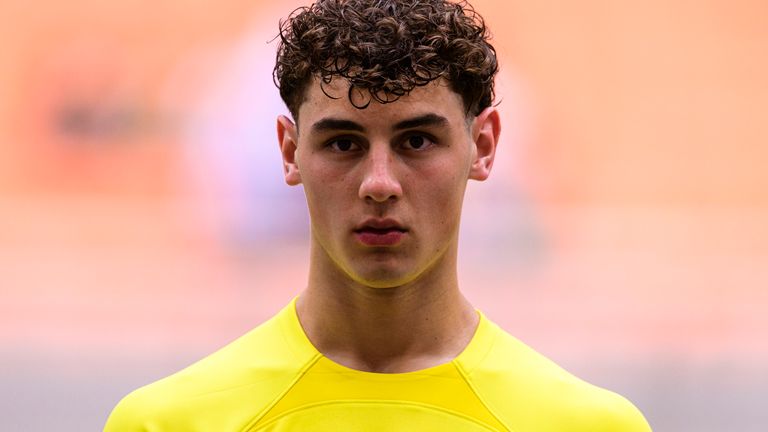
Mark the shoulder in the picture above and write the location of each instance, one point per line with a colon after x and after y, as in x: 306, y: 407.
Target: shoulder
x: 528, y: 391
x: 225, y: 388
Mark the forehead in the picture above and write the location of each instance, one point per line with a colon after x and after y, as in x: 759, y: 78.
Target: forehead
x: 335, y: 99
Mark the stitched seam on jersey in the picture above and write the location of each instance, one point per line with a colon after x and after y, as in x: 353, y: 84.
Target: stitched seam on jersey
x: 379, y: 401
x: 465, y: 377
x: 495, y: 336
x: 269, y: 407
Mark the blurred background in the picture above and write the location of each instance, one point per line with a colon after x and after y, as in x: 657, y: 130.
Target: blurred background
x: 144, y: 222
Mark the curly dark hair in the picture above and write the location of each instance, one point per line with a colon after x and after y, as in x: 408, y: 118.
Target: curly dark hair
x: 388, y: 47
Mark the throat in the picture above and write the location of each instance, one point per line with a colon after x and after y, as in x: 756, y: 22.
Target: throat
x: 388, y: 365
x: 381, y: 338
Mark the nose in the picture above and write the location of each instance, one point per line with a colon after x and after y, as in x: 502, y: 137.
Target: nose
x: 380, y: 182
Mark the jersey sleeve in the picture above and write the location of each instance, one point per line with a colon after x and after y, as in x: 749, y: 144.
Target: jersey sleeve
x: 616, y: 414
x: 127, y: 416
x: 529, y: 392
x: 225, y: 390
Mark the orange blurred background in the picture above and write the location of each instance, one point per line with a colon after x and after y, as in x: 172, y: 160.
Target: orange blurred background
x: 624, y: 232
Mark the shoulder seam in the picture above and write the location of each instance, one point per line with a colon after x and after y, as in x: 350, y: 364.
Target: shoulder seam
x: 465, y: 376
x: 491, y: 326
x: 482, y: 401
x: 288, y: 388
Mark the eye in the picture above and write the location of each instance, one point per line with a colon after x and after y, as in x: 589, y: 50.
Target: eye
x: 343, y: 145
x: 418, y: 142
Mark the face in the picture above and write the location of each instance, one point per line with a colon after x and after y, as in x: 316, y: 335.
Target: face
x: 385, y: 184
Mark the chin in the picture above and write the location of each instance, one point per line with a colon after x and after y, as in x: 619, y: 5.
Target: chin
x: 383, y: 278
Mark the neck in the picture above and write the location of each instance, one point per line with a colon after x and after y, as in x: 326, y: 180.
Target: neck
x: 421, y: 324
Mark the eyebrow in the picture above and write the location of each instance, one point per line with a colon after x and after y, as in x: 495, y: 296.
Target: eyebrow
x: 420, y: 121
x: 330, y: 124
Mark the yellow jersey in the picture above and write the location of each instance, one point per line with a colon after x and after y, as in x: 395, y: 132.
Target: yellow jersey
x: 274, y: 380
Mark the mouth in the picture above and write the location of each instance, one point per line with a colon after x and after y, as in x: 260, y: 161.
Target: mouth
x: 377, y: 232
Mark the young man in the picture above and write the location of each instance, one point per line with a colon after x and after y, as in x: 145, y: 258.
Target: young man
x: 392, y: 108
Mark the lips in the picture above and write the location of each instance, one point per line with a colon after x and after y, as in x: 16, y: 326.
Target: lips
x: 380, y: 232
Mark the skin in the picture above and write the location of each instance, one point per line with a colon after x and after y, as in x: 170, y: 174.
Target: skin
x: 397, y: 307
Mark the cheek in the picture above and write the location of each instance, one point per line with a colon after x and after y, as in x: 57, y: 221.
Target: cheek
x: 327, y: 195
x: 442, y: 198
x: 323, y: 175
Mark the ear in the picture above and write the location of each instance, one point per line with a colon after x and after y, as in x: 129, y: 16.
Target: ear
x: 485, y: 133
x: 288, y: 138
